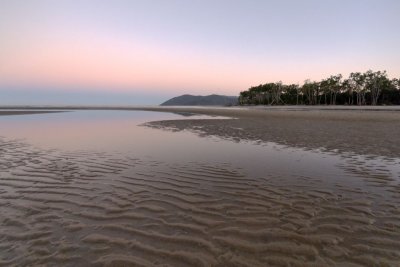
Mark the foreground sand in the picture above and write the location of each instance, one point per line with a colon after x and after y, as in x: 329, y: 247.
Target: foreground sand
x: 84, y: 208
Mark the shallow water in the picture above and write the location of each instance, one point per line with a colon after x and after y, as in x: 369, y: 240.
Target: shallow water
x: 99, y: 187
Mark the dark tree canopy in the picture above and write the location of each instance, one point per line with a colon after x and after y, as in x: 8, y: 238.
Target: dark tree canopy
x: 369, y: 88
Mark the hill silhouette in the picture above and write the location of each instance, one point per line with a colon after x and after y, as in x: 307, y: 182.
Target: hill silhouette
x: 209, y: 100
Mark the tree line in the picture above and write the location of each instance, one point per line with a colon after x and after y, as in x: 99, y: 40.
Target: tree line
x: 368, y: 88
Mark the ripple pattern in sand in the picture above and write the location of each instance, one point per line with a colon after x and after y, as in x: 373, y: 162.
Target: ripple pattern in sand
x: 85, y: 208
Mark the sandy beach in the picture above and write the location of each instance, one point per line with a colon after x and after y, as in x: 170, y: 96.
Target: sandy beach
x: 368, y: 131
x: 122, y: 208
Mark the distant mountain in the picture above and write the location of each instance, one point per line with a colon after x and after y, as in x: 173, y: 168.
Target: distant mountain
x: 197, y: 100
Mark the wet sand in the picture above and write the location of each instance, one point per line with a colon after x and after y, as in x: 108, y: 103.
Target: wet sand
x: 361, y: 131
x: 80, y: 208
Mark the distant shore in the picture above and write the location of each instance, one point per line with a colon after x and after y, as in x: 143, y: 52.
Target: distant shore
x: 25, y: 112
x: 198, y: 108
x: 368, y: 130
x: 333, y: 111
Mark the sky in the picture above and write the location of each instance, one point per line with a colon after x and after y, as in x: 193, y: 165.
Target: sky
x: 146, y: 51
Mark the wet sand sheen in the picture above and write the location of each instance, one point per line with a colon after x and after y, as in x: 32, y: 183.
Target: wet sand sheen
x: 82, y: 208
x: 78, y: 208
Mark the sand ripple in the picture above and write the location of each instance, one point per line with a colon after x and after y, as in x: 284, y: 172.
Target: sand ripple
x: 85, y: 208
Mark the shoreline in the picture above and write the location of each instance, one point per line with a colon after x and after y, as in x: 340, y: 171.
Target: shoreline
x: 339, y: 112
x: 248, y: 107
x: 26, y: 112
x: 359, y: 130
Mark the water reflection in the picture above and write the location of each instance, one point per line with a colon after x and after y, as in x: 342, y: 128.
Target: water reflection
x: 123, y: 132
x: 99, y: 130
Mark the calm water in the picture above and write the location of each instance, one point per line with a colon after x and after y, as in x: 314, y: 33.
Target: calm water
x: 98, y: 187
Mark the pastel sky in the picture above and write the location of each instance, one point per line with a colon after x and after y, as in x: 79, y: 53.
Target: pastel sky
x: 145, y: 51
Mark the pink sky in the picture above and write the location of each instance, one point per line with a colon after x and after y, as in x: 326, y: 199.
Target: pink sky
x: 204, y: 48
x: 124, y: 65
